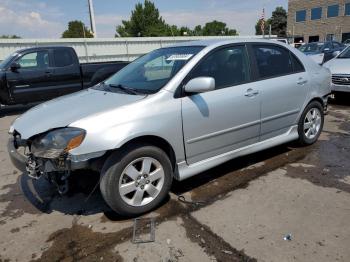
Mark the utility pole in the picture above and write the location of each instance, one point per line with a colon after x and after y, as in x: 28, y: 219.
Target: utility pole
x: 92, y: 18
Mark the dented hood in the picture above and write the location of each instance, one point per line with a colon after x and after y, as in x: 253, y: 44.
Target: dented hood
x: 65, y: 110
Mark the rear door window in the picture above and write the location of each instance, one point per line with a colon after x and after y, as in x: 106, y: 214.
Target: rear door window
x: 229, y: 66
x: 297, y: 65
x: 272, y: 61
x: 62, y: 57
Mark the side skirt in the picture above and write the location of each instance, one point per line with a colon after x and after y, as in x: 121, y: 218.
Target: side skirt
x: 185, y: 171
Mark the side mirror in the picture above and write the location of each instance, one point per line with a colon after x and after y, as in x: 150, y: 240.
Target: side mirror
x: 14, y: 66
x: 336, y: 53
x: 200, y: 85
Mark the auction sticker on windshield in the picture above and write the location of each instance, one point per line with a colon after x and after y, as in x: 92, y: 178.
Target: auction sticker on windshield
x: 179, y: 57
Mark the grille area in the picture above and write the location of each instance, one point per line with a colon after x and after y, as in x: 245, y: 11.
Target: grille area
x: 341, y: 79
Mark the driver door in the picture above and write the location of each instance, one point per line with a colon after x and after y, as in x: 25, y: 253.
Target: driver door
x: 33, y: 80
x: 226, y: 118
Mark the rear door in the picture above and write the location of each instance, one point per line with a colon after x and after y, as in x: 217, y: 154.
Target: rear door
x: 226, y: 118
x: 283, y: 85
x: 33, y: 80
x: 67, y: 75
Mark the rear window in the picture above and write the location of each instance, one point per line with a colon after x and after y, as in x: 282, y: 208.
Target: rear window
x: 272, y: 61
x: 62, y: 57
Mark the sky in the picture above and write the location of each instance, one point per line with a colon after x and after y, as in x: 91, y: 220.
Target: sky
x: 49, y: 18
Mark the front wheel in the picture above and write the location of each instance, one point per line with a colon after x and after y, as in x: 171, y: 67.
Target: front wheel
x: 137, y: 180
x: 311, y: 123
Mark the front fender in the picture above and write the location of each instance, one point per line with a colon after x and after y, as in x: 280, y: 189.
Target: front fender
x: 154, y: 116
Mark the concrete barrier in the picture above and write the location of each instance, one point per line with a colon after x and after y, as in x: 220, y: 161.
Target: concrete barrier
x: 104, y: 49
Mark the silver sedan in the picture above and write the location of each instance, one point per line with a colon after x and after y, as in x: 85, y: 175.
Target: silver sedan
x: 172, y: 114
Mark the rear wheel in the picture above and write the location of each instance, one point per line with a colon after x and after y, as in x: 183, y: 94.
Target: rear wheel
x: 137, y: 180
x: 311, y: 123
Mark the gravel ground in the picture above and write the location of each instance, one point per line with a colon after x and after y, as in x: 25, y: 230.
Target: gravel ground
x: 246, y: 207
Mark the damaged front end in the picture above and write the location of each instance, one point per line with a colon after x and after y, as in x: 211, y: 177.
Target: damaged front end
x: 47, y: 154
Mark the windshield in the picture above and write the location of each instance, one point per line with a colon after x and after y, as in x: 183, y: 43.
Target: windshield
x: 149, y: 73
x: 7, y: 60
x: 312, y: 47
x: 345, y: 53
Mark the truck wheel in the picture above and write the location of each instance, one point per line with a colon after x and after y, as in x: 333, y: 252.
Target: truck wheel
x: 311, y: 123
x: 136, y: 180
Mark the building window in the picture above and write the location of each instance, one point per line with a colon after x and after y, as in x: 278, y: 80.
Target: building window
x: 330, y: 37
x: 333, y: 11
x: 347, y: 9
x: 316, y: 13
x: 300, y: 16
x: 314, y: 38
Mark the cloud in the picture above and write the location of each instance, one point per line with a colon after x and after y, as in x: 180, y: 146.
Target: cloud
x: 106, y: 24
x: 27, y: 24
x: 243, y: 21
x: 109, y: 19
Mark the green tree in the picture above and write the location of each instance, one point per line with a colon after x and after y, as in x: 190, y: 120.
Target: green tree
x: 10, y: 37
x: 278, y: 22
x: 216, y: 28
x: 258, y: 27
x: 77, y: 29
x: 144, y: 21
x: 198, y: 30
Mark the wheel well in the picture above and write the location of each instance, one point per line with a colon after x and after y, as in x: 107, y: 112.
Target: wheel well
x: 318, y: 99
x: 157, y: 142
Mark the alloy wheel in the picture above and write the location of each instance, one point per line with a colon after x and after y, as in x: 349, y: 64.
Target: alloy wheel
x: 312, y: 123
x: 141, y: 181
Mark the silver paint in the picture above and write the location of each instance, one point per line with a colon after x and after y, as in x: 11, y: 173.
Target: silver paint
x: 204, y: 129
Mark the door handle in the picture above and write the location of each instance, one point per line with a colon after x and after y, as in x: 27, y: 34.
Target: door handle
x: 251, y: 92
x: 301, y: 81
x: 48, y: 73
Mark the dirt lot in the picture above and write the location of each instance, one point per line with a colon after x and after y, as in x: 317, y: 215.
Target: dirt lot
x: 241, y: 211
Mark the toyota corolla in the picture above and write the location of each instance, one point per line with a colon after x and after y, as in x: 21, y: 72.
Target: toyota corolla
x: 172, y: 114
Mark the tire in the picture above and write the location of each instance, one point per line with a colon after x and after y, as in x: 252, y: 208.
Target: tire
x: 129, y: 170
x: 311, y: 123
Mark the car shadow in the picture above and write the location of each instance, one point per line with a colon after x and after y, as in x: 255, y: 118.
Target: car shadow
x: 84, y: 197
x: 181, y: 187
x: 341, y: 99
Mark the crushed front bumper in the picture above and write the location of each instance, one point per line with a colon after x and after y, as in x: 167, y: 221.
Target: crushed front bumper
x: 22, y: 162
x: 17, y: 159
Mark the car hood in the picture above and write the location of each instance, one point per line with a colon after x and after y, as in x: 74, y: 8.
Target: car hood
x: 339, y: 65
x: 65, y: 110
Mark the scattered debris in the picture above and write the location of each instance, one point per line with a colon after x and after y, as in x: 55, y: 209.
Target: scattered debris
x: 325, y: 171
x: 227, y: 252
x: 288, y: 237
x: 168, y: 241
x: 140, y: 224
x: 193, y: 203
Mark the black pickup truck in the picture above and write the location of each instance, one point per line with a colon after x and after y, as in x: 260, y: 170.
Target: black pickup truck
x: 42, y: 73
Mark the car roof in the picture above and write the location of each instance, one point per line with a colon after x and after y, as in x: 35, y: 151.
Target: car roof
x: 224, y: 41
x: 40, y: 47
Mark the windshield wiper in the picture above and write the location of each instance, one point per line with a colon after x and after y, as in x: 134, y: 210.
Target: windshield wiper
x: 124, y: 88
